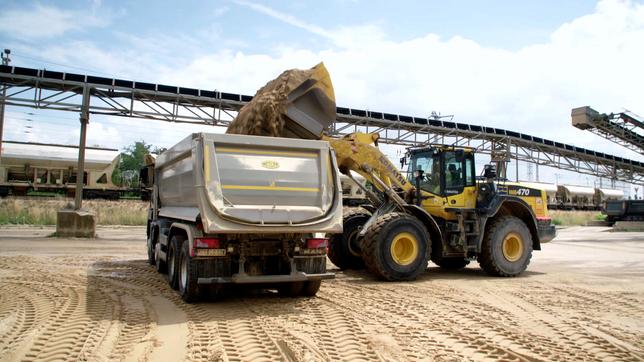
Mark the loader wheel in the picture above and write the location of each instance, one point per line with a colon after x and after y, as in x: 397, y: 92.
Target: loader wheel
x: 396, y: 247
x: 311, y: 288
x: 446, y: 262
x: 187, y: 276
x: 173, y: 261
x: 161, y: 265
x: 344, y: 250
x: 507, y: 247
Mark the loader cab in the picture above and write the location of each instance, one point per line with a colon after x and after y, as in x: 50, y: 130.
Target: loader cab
x: 448, y: 178
x: 447, y: 171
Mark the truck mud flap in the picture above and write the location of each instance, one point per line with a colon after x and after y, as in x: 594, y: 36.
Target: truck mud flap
x: 259, y: 279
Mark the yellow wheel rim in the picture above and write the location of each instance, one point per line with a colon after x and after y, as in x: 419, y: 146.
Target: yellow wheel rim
x: 512, y: 247
x: 404, y: 248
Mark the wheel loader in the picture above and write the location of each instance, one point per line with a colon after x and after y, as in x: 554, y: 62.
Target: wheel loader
x: 439, y: 210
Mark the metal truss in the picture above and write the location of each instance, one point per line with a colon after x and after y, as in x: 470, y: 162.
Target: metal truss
x: 621, y: 128
x: 45, y: 89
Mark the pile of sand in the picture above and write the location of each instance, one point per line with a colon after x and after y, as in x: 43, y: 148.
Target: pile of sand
x: 265, y: 114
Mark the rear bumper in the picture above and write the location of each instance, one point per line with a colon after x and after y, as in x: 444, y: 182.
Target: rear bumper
x: 260, y: 279
x: 546, y: 232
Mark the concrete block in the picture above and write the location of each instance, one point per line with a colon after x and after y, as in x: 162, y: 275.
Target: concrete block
x: 629, y: 226
x: 75, y: 223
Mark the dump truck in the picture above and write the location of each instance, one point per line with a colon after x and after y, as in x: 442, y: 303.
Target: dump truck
x: 248, y: 209
x: 234, y: 209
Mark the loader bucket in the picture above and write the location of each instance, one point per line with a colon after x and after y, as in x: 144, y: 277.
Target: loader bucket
x: 311, y: 106
x: 297, y: 104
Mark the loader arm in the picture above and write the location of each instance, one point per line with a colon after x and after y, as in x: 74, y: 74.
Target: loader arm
x: 358, y: 152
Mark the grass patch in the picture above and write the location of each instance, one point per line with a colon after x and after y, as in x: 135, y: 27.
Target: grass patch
x: 43, y: 212
x: 574, y: 218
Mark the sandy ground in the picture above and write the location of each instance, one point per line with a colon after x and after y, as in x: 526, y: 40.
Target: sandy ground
x: 582, y: 298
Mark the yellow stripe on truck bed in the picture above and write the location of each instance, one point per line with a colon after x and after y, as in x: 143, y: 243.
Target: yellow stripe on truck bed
x: 270, y: 188
x: 261, y: 152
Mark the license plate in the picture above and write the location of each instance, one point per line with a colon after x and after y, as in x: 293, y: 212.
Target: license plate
x: 211, y: 252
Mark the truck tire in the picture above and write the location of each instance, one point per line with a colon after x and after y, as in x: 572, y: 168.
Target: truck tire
x: 446, y: 262
x: 187, y: 276
x: 150, y: 248
x: 311, y: 288
x: 161, y: 265
x: 291, y: 289
x: 344, y: 251
x: 396, y: 247
x: 506, y: 248
x: 173, y: 261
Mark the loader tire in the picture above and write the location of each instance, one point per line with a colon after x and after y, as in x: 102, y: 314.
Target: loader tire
x: 344, y: 250
x: 173, y: 261
x: 396, y: 247
x: 187, y: 276
x: 506, y: 248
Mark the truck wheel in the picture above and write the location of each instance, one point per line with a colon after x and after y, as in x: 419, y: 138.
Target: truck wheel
x: 161, y: 265
x: 291, y: 289
x: 187, y: 276
x: 446, y: 263
x: 344, y: 250
x: 173, y: 261
x: 311, y: 288
x: 507, y: 247
x: 396, y: 247
x: 151, y: 260
x: 150, y: 243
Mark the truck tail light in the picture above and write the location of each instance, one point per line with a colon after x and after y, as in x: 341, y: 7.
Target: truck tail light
x: 207, y: 243
x: 543, y: 219
x: 317, y: 243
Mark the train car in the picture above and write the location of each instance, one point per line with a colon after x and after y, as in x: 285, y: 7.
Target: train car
x: 571, y: 197
x: 27, y: 166
x: 604, y: 195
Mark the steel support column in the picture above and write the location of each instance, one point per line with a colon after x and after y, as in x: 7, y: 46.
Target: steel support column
x: 80, y: 173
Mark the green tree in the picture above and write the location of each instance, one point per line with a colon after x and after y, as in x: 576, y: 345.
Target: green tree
x: 132, y: 160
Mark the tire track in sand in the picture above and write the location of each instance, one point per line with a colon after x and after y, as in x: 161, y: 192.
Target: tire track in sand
x: 477, y: 337
x: 311, y: 329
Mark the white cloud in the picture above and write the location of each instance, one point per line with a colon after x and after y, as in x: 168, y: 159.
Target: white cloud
x: 41, y: 21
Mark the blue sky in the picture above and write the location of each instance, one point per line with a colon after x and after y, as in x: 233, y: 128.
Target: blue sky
x: 519, y: 65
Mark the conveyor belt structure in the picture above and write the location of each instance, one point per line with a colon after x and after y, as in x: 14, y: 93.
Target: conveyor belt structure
x: 47, y: 89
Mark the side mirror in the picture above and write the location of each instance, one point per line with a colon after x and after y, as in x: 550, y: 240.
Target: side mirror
x: 403, y: 161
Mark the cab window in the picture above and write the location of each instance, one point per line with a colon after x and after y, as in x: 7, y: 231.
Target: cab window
x: 470, y: 178
x: 430, y: 164
x: 454, y: 173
